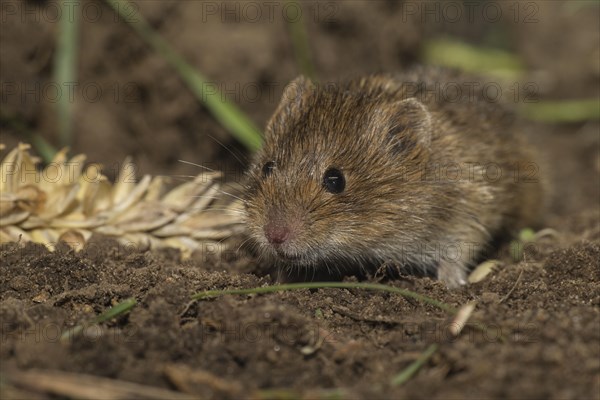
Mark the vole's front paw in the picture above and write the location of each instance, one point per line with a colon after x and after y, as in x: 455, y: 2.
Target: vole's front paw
x: 453, y: 274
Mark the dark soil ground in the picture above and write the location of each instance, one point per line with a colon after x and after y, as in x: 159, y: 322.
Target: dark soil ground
x: 535, y: 332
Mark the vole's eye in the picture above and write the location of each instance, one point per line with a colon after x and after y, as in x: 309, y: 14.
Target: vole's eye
x: 334, y: 181
x: 268, y: 168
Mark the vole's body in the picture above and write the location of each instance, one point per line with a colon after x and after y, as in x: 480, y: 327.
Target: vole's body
x: 428, y: 182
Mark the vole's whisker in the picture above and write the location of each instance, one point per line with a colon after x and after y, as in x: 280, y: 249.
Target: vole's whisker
x: 226, y: 148
x: 197, y: 165
x: 181, y: 176
x: 242, y: 244
x: 225, y: 211
x: 232, y: 195
x: 201, y: 196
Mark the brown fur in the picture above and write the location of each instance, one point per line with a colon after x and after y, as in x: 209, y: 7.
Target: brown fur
x: 398, y: 146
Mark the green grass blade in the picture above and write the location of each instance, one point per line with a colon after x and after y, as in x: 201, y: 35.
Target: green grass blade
x: 454, y: 53
x: 115, y: 311
x: 65, y: 70
x: 562, y: 110
x: 295, y: 394
x: 322, y: 285
x: 300, y: 42
x: 119, y: 309
x: 43, y: 148
x: 228, y: 115
x: 412, y: 369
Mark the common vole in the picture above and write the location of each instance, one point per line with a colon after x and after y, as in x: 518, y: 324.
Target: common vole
x: 418, y: 170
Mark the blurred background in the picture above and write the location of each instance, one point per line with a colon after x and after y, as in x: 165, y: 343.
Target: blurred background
x: 106, y: 77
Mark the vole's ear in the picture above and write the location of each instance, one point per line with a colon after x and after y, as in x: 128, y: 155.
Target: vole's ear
x: 409, y: 125
x: 294, y: 92
x: 291, y: 99
x: 296, y: 89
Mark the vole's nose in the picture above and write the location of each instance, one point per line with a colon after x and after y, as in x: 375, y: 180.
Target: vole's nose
x: 276, y: 232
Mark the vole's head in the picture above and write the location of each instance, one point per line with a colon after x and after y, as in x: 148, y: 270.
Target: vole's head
x: 337, y: 178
